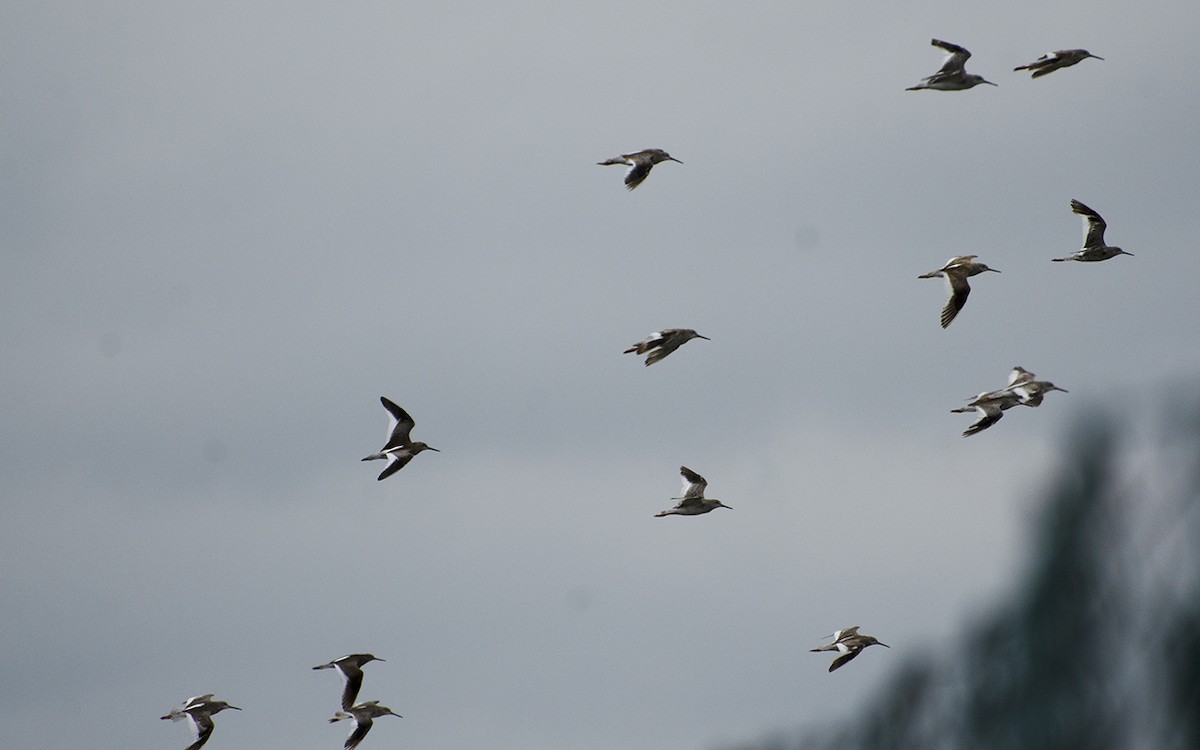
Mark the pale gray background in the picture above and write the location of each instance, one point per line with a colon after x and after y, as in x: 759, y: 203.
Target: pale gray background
x: 228, y: 228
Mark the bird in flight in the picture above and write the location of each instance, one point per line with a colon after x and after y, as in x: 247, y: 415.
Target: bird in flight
x: 399, y: 449
x: 350, y: 666
x: 693, y: 502
x: 1094, y: 249
x: 1052, y: 61
x: 956, y: 272
x: 198, y: 710
x: 849, y: 644
x: 363, y: 715
x: 639, y: 164
x: 661, y: 343
x: 952, y: 76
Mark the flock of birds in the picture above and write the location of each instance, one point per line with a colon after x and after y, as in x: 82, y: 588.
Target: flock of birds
x: 200, y: 709
x: 1023, y: 389
x: 953, y: 75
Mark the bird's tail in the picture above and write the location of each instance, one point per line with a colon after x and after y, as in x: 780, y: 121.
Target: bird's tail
x: 372, y: 457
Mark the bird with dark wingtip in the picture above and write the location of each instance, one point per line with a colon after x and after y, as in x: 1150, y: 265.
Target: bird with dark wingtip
x: 1023, y: 389
x: 639, y: 164
x: 956, y: 272
x: 399, y: 448
x: 350, y: 666
x: 850, y: 644
x: 693, y: 502
x: 363, y: 715
x: 1052, y: 61
x: 953, y: 75
x: 198, y: 710
x: 661, y: 343
x: 1094, y: 249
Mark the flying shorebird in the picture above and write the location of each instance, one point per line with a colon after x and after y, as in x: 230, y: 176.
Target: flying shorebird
x: 849, y: 643
x: 693, y: 502
x: 1032, y: 392
x: 1093, y: 248
x: 363, y: 715
x: 1052, y: 61
x: 399, y: 448
x: 639, y: 164
x: 351, y: 668
x: 661, y: 343
x: 953, y: 75
x: 198, y: 711
x: 1023, y: 389
x: 991, y: 407
x: 956, y: 272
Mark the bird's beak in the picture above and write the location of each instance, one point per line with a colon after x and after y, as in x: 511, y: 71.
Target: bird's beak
x: 235, y: 708
x: 1056, y: 388
x: 1125, y: 253
x: 997, y: 270
x: 723, y: 505
x: 990, y: 83
x: 672, y: 158
x: 377, y: 658
x: 1098, y: 57
x: 883, y: 644
x: 428, y: 448
x: 706, y: 338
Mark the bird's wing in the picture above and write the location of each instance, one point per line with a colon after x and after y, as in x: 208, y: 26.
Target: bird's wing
x: 844, y: 658
x: 693, y: 484
x: 1093, y: 225
x: 1019, y: 375
x: 1034, y: 398
x: 671, y: 340
x: 647, y: 343
x: 992, y: 413
x: 362, y: 725
x: 844, y: 632
x: 637, y: 174
x: 353, y: 675
x: 959, y: 290
x: 401, y: 424
x: 955, y: 62
x: 399, y: 459
x: 203, y: 724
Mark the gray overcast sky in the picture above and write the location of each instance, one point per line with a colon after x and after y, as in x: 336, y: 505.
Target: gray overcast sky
x: 227, y: 229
